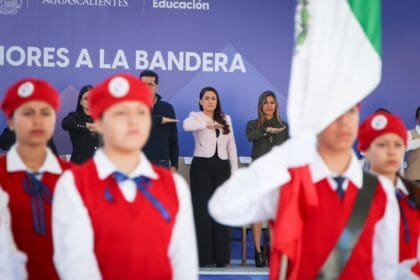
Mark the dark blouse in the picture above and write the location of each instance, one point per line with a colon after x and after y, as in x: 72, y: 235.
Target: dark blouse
x: 83, y: 141
x: 263, y: 142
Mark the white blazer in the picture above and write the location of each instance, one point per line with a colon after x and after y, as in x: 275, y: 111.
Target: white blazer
x: 206, y: 140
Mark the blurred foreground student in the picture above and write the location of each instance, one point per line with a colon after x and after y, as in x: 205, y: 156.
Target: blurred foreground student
x: 29, y: 171
x: 330, y: 218
x: 117, y: 216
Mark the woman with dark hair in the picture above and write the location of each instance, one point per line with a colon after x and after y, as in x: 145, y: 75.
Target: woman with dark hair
x: 215, y: 158
x: 264, y: 133
x: 81, y: 128
x: 383, y: 140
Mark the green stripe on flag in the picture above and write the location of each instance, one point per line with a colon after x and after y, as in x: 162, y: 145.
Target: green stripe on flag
x: 368, y: 13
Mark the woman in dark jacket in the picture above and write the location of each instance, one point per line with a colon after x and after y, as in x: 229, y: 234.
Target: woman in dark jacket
x: 81, y: 128
x: 265, y: 132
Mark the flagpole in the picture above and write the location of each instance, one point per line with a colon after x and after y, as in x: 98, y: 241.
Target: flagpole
x: 283, y: 268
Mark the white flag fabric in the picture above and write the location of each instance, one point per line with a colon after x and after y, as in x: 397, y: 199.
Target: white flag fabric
x: 336, y: 62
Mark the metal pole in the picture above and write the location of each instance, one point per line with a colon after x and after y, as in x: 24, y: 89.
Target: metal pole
x: 283, y: 268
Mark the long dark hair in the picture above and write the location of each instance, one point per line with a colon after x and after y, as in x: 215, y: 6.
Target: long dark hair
x: 218, y: 114
x: 261, y: 100
x: 413, y: 189
x: 83, y: 90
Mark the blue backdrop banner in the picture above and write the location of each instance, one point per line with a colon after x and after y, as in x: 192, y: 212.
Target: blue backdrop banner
x: 240, y: 47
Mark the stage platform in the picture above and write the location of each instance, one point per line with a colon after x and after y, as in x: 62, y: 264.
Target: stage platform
x: 234, y: 272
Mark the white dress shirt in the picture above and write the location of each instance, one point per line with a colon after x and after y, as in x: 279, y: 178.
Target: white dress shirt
x: 12, y: 261
x: 73, y: 235
x: 404, y: 268
x: 252, y: 194
x: 14, y: 162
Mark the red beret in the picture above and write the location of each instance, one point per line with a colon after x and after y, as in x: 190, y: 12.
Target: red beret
x: 29, y: 90
x: 378, y: 124
x: 115, y: 89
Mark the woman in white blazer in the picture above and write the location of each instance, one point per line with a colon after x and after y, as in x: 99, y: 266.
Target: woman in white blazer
x: 215, y: 158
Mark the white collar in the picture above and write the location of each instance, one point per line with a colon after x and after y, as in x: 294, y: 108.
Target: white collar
x: 320, y: 171
x: 417, y: 129
x: 389, y: 185
x: 400, y: 185
x: 105, y: 166
x: 15, y: 163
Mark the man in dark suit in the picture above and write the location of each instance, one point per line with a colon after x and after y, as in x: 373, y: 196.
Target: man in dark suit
x: 162, y: 146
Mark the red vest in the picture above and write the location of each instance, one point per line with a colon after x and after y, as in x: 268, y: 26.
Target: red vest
x: 131, y: 238
x: 321, y: 227
x: 38, y: 248
x: 408, y: 248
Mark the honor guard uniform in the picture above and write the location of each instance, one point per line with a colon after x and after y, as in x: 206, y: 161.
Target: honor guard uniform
x: 330, y: 219
x: 383, y: 140
x: 118, y: 216
x: 29, y: 171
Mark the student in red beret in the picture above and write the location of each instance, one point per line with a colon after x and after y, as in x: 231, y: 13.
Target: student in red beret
x: 117, y: 216
x: 29, y: 171
x: 383, y: 140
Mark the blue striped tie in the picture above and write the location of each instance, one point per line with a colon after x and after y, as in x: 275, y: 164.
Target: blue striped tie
x: 39, y: 193
x: 142, y: 183
x: 404, y: 218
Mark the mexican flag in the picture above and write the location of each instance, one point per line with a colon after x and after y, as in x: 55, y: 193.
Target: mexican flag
x: 336, y: 61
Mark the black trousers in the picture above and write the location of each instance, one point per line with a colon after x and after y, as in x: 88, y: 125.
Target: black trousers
x: 206, y: 174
